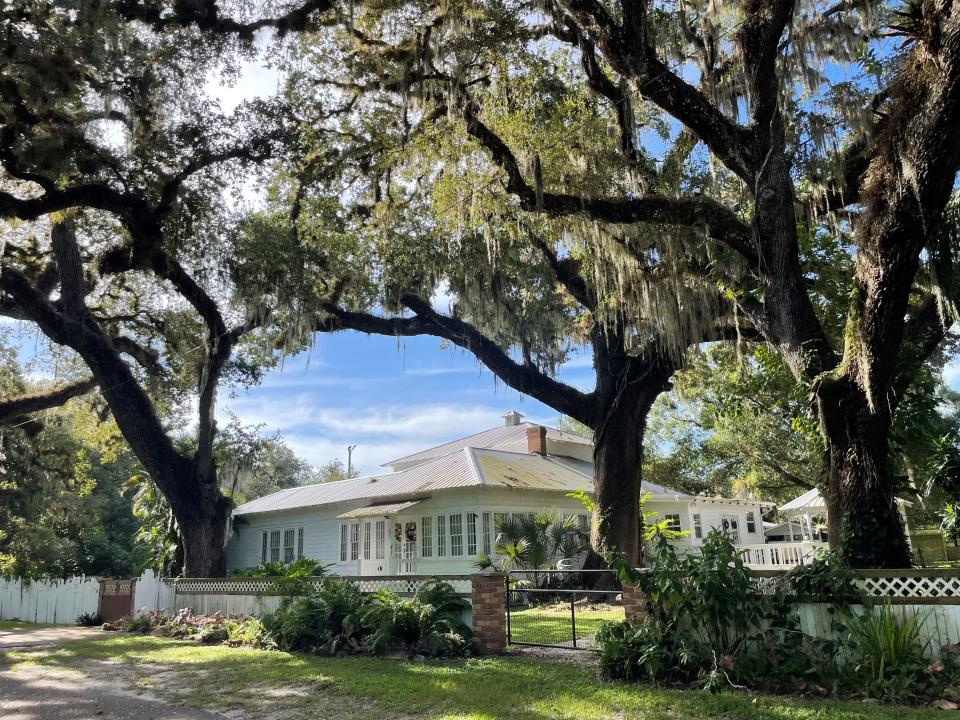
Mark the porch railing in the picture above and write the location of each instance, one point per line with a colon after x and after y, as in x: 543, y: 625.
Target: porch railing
x: 780, y: 556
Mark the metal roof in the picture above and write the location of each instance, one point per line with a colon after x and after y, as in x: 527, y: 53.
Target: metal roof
x: 470, y: 467
x: 496, y: 437
x: 382, y: 510
x: 810, y: 502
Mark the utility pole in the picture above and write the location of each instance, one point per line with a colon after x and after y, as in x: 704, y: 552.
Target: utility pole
x: 350, y: 449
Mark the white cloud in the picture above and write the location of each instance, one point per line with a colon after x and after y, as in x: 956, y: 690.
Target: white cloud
x: 320, y: 434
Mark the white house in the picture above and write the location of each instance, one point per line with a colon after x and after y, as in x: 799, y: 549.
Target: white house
x: 436, y: 510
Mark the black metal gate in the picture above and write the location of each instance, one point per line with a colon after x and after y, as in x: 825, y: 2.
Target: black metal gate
x: 560, y: 608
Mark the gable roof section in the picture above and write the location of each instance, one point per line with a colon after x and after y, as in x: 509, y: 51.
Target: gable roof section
x: 496, y: 437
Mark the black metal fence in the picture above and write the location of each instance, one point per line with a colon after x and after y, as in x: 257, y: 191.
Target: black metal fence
x: 560, y: 608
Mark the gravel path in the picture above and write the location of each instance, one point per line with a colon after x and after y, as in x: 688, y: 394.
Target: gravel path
x: 43, y: 636
x: 40, y: 693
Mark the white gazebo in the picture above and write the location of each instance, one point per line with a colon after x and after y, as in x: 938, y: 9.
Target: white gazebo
x: 804, y: 509
x: 811, y: 505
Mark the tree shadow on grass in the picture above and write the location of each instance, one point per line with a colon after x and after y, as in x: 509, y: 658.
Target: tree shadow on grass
x: 474, y: 688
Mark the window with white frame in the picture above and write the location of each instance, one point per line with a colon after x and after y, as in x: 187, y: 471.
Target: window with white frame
x: 381, y: 539
x: 441, y: 535
x: 275, y: 545
x: 498, y: 520
x: 344, y: 534
x: 289, y: 545
x: 456, y: 535
x: 697, y: 525
x: 281, y: 545
x: 471, y: 533
x: 354, y: 541
x: 487, y: 533
x: 673, y: 522
x: 426, y: 536
x: 583, y: 521
x: 366, y: 541
x: 751, y: 522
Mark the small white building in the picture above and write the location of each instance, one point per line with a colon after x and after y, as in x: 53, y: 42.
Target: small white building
x: 437, y: 509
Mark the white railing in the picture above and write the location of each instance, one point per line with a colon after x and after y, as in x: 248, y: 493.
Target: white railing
x: 780, y: 556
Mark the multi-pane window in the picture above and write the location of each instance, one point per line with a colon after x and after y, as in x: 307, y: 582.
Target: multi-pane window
x: 487, y: 532
x: 289, y: 547
x: 498, y: 520
x: 471, y: 533
x: 344, y: 530
x: 426, y: 536
x: 281, y: 545
x: 441, y: 535
x: 274, y: 546
x: 697, y: 525
x: 381, y: 535
x: 366, y: 541
x: 456, y: 535
x: 673, y: 522
x: 354, y: 541
x: 751, y: 522
x: 583, y: 521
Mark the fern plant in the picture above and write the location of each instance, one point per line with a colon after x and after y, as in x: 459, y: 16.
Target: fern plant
x: 430, y: 623
x: 325, y: 620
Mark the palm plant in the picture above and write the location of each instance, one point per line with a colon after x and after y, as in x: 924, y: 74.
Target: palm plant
x: 536, y: 542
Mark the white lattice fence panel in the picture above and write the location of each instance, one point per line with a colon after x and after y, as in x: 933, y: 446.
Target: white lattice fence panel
x: 912, y: 586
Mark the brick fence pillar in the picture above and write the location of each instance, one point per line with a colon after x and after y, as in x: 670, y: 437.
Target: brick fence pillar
x: 634, y: 604
x: 490, y: 612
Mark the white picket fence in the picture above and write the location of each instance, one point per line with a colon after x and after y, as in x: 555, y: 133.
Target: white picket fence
x: 939, y: 624
x: 258, y: 596
x: 48, y: 601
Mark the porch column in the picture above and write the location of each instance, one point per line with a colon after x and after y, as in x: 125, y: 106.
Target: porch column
x: 634, y: 604
x: 490, y: 612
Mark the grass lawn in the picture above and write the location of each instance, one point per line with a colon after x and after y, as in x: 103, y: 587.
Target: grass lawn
x: 340, y: 688
x: 8, y: 625
x: 550, y: 624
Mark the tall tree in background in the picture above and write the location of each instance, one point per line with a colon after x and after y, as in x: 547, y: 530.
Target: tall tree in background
x: 114, y: 167
x: 768, y: 148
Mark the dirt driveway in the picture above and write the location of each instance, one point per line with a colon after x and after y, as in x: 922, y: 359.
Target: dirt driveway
x: 40, y: 693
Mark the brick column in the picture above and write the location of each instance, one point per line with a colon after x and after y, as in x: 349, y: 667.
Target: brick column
x: 490, y: 612
x: 634, y: 604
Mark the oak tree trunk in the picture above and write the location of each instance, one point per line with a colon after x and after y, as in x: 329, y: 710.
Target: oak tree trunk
x: 864, y: 523
x: 626, y: 390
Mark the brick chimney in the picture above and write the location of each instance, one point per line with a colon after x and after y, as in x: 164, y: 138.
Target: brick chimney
x: 537, y: 440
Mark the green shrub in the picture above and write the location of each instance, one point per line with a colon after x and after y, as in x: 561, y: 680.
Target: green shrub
x: 430, y: 623
x: 710, y: 623
x: 249, y: 631
x: 890, y: 654
x: 141, y: 624
x: 324, y: 620
x: 302, y: 567
x: 89, y: 620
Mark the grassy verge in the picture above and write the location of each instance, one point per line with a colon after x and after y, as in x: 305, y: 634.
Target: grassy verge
x: 10, y: 625
x: 480, y: 689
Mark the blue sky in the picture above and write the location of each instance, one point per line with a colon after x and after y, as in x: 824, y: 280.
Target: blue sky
x: 389, y: 396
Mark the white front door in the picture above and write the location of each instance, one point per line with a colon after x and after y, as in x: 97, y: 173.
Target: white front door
x: 405, y: 546
x: 374, y: 559
x: 731, y: 526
